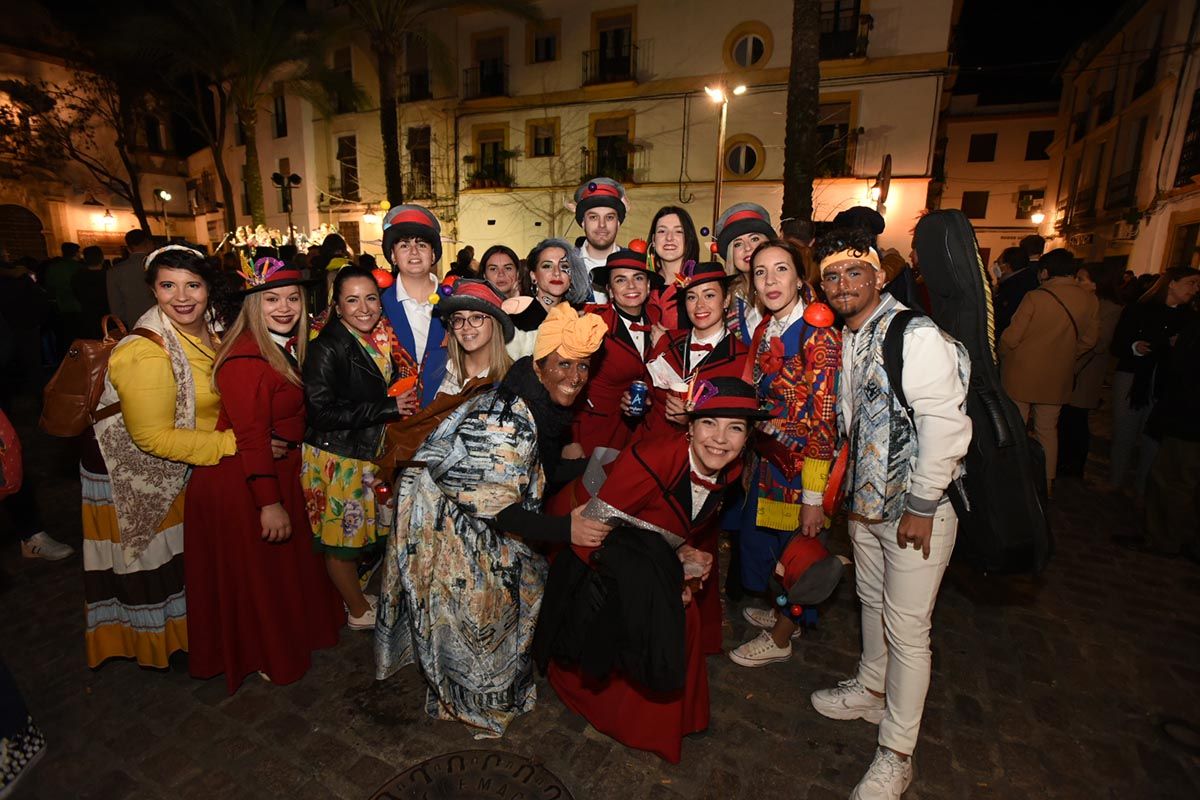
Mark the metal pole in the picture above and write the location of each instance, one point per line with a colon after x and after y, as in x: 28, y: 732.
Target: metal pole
x: 287, y: 201
x: 720, y: 162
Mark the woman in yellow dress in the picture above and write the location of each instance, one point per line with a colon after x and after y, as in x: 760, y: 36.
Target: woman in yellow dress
x: 156, y: 418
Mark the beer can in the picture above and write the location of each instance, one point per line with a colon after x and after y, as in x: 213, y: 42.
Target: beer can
x: 638, y: 392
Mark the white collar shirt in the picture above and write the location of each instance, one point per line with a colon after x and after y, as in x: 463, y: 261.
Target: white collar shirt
x: 419, y: 312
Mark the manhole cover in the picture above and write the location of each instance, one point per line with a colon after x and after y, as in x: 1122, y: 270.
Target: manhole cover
x: 474, y: 775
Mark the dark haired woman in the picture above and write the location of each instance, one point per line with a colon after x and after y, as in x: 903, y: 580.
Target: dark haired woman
x: 1074, y: 436
x: 706, y: 350
x: 461, y: 595
x: 603, y: 418
x: 501, y: 267
x: 1142, y: 339
x: 346, y: 379
x: 673, y: 243
x: 619, y: 620
x: 795, y: 358
x: 557, y: 274
x: 259, y: 598
x: 158, y: 414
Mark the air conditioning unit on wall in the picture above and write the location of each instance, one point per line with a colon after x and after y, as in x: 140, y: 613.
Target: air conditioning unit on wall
x: 1124, y: 231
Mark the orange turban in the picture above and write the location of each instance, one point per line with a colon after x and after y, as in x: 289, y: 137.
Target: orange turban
x: 568, y: 332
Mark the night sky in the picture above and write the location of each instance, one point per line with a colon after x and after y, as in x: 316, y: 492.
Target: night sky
x: 1009, y: 50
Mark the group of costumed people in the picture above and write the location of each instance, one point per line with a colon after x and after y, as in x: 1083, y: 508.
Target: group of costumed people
x: 541, y: 459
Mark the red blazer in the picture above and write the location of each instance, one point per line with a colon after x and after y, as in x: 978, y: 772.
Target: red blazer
x: 727, y: 360
x: 598, y: 418
x: 665, y: 302
x: 262, y: 403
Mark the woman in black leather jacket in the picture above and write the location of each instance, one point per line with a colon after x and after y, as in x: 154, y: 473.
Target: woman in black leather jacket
x: 346, y: 378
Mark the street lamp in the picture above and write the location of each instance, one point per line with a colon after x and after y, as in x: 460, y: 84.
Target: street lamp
x: 1037, y: 217
x: 718, y: 94
x: 162, y: 197
x: 286, y: 184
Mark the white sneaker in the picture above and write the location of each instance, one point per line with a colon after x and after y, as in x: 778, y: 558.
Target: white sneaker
x: 759, y: 651
x: 765, y: 618
x: 40, y: 545
x: 364, y: 623
x: 850, y: 700
x: 887, y: 778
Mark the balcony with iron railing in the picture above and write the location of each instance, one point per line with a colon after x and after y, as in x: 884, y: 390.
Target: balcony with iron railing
x: 844, y: 29
x: 612, y: 162
x: 486, y: 79
x: 415, y: 86
x: 1122, y: 190
x: 609, y: 66
x: 490, y: 176
x: 418, y: 184
x: 1083, y: 204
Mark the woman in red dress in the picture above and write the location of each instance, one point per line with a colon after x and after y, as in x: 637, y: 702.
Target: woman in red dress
x: 259, y: 598
x: 601, y: 417
x: 660, y: 492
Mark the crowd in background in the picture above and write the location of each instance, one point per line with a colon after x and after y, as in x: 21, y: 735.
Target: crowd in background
x: 490, y: 441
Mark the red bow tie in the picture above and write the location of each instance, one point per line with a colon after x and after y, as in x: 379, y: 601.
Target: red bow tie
x: 639, y: 328
x: 707, y: 484
x: 697, y: 348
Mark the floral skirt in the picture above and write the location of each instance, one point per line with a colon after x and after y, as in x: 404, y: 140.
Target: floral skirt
x: 340, y: 509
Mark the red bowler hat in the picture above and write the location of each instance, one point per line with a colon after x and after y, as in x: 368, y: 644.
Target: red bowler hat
x: 724, y: 397
x: 632, y: 257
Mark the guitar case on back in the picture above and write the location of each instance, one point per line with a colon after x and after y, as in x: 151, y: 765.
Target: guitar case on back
x: 1006, y: 529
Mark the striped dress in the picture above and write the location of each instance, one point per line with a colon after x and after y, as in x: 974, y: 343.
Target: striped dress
x: 137, y: 609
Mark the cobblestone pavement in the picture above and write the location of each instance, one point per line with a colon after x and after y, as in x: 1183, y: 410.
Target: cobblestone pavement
x: 1057, y: 687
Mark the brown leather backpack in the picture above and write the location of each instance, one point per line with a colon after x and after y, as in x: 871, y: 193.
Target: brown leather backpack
x: 70, y: 399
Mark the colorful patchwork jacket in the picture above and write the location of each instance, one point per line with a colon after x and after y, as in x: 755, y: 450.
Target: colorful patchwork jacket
x: 796, y: 375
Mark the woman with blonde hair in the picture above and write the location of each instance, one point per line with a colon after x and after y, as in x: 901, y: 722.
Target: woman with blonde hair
x: 479, y: 330
x: 260, y: 599
x: 741, y: 229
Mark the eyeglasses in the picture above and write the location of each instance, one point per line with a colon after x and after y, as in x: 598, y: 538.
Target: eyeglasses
x: 475, y: 320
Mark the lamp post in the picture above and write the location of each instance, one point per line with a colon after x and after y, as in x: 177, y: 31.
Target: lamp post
x: 162, y: 197
x: 718, y: 94
x: 286, y: 184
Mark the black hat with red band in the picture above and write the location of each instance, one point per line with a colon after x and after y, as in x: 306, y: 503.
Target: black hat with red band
x: 632, y: 257
x: 724, y: 397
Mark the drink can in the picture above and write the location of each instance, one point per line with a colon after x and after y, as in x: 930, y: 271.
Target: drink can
x: 638, y: 392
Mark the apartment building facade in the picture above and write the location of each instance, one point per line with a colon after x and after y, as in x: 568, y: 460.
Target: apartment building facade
x: 43, y: 204
x: 995, y: 167
x: 496, y: 141
x: 1125, y: 172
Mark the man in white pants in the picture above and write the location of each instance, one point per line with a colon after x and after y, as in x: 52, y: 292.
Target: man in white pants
x: 903, y: 461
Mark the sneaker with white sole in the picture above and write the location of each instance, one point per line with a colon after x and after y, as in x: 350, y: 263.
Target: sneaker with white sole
x: 765, y: 618
x: 40, y: 545
x: 850, y: 700
x: 888, y: 777
x: 364, y: 623
x: 760, y: 651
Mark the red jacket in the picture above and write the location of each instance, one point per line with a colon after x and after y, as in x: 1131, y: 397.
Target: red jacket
x: 727, y: 360
x: 598, y: 418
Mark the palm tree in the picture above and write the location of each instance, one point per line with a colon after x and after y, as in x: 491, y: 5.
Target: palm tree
x: 390, y: 25
x: 800, y: 142
x: 240, y: 50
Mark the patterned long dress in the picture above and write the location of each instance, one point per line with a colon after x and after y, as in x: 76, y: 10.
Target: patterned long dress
x: 458, y: 597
